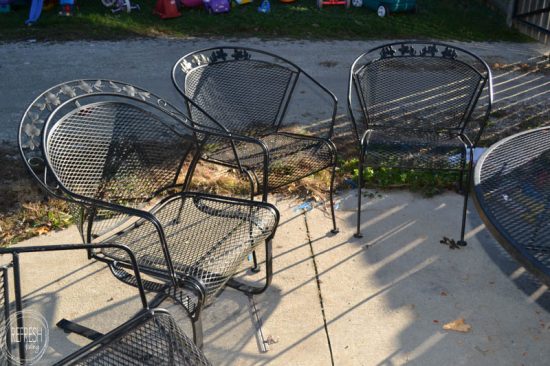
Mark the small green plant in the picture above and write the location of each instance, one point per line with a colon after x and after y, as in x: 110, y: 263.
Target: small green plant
x: 427, y: 182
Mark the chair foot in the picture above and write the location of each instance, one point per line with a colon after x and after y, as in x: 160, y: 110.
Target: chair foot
x: 256, y: 269
x: 358, y: 235
x: 462, y: 243
x: 197, y: 332
x: 335, y: 231
x: 71, y: 327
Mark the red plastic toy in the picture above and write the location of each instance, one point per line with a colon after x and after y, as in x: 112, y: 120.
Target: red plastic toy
x: 321, y: 3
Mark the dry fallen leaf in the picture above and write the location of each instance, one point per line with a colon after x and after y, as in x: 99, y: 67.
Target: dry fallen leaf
x: 42, y: 230
x: 458, y: 325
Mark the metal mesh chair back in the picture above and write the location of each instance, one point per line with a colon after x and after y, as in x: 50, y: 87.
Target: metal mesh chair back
x: 246, y: 90
x: 417, y: 86
x: 31, y: 128
x: 117, y: 151
x: 154, y: 340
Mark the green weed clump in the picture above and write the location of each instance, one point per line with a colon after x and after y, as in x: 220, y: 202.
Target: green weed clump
x: 426, y: 182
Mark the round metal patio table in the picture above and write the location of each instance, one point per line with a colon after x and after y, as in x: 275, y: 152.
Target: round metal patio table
x: 512, y: 195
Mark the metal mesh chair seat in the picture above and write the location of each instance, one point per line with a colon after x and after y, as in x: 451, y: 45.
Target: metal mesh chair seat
x: 423, y: 150
x: 291, y: 157
x: 207, y: 238
x: 153, y: 338
x: 416, y: 100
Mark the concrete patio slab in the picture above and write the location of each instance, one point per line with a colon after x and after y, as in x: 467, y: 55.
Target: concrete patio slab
x: 385, y: 297
x: 388, y: 294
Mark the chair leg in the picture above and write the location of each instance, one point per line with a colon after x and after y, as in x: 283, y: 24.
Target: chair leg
x: 462, y: 242
x: 197, y: 331
x: 254, y: 290
x: 334, y: 228
x: 72, y: 327
x: 256, y: 267
x: 359, y: 185
x: 461, y: 177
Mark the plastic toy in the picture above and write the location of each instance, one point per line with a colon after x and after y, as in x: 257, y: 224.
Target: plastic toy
x: 5, y: 6
x: 34, y: 13
x: 67, y: 8
x: 217, y: 6
x: 191, y: 3
x: 119, y: 5
x: 242, y: 2
x: 321, y: 3
x: 385, y: 7
x: 265, y: 7
x: 166, y: 9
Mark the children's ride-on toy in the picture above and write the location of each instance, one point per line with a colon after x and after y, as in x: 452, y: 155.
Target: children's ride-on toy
x: 385, y: 7
x: 321, y: 3
x: 120, y: 5
x: 191, y: 3
x: 217, y: 6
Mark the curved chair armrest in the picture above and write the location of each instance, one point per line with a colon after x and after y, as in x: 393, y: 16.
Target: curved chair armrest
x: 232, y: 138
x: 264, y: 209
x: 145, y: 215
x: 333, y: 99
x: 62, y: 247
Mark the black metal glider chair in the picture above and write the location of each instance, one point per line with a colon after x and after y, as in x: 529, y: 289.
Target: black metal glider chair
x: 248, y: 93
x: 411, y: 104
x: 124, y: 158
x: 151, y: 337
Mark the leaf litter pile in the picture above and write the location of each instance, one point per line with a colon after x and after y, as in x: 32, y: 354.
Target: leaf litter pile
x: 25, y: 211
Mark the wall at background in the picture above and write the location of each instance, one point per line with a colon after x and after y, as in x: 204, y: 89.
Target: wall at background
x: 523, y: 6
x: 501, y: 5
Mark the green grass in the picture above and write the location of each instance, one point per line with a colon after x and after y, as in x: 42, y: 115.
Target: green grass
x: 466, y: 20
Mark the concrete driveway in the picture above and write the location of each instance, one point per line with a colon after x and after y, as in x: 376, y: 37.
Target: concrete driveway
x: 28, y: 68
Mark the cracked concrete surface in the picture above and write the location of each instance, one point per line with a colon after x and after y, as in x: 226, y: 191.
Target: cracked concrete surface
x: 385, y: 296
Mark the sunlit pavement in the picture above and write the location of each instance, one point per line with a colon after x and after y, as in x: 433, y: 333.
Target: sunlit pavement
x: 379, y: 300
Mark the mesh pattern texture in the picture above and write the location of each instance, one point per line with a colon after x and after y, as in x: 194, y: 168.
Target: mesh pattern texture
x: 121, y: 154
x: 514, y: 191
x: 417, y: 98
x: 248, y: 92
x: 208, y: 239
x: 246, y: 96
x: 290, y: 157
x: 157, y: 340
x: 117, y: 153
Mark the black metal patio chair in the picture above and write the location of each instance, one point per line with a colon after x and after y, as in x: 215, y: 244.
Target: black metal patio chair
x: 249, y: 93
x: 151, y: 337
x: 124, y: 158
x: 414, y: 102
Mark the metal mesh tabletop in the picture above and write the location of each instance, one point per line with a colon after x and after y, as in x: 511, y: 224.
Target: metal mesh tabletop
x: 512, y: 195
